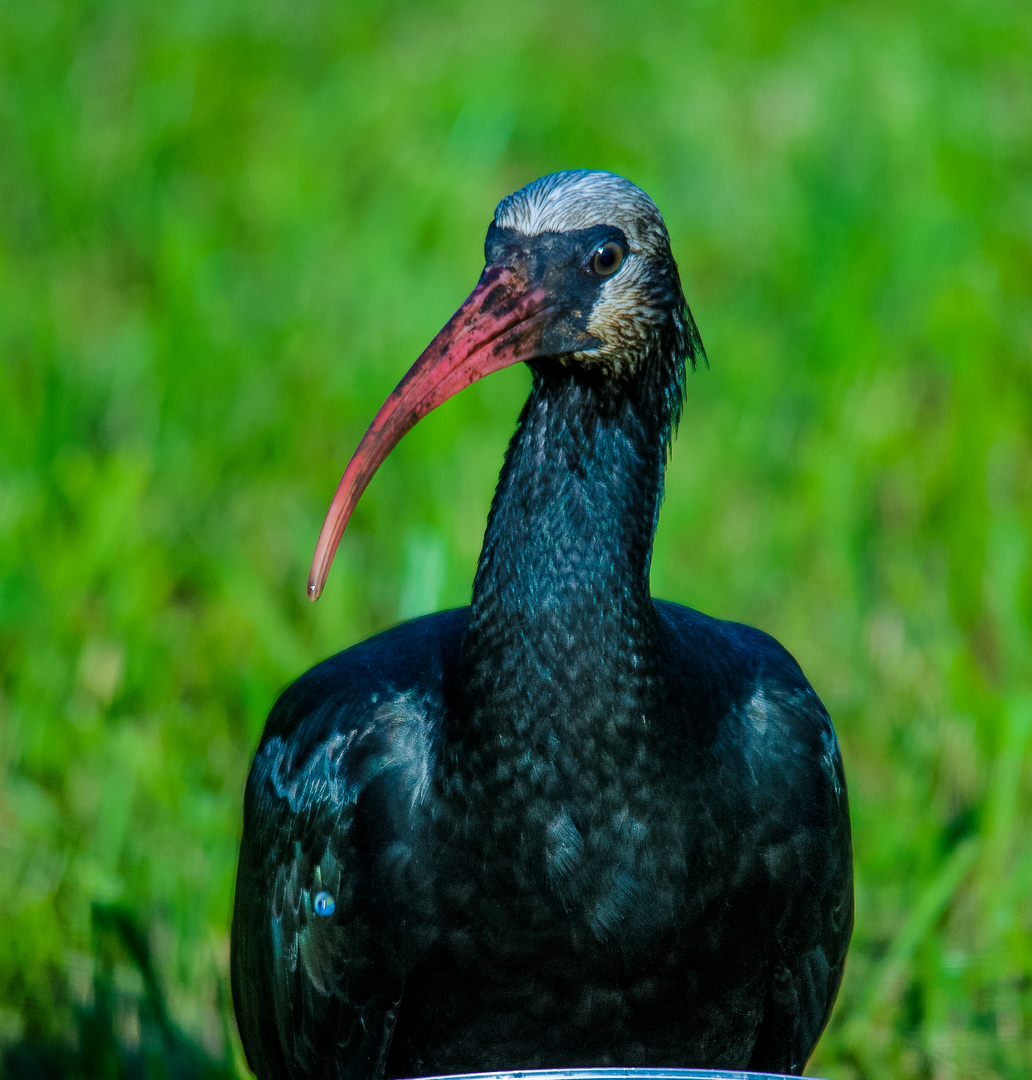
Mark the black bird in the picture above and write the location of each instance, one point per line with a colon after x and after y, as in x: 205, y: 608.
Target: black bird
x: 568, y: 825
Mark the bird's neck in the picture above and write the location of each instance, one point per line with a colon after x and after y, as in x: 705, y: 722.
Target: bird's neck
x: 562, y: 644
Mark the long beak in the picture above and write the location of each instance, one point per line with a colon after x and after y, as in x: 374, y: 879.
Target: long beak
x: 500, y: 324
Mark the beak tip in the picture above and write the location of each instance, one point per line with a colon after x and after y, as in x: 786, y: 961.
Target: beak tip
x: 315, y: 588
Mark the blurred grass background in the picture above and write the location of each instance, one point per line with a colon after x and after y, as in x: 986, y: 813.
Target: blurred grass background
x: 226, y: 229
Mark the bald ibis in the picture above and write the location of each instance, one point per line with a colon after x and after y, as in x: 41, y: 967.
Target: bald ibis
x: 568, y: 824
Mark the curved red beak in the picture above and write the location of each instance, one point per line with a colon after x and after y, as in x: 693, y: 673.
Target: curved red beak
x: 500, y: 324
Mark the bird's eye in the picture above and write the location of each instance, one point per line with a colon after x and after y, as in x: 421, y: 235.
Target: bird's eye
x: 323, y: 904
x: 607, y: 259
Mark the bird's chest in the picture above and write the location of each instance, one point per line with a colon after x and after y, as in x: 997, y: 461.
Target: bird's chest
x: 553, y: 853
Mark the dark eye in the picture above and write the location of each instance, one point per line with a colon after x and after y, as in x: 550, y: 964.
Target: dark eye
x: 607, y: 259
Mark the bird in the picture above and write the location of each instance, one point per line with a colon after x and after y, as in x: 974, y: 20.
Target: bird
x: 568, y: 825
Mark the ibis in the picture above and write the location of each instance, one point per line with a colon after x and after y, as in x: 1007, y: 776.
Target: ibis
x: 569, y: 824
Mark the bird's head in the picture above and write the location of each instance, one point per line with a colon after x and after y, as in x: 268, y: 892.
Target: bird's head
x: 579, y: 276
x: 597, y: 247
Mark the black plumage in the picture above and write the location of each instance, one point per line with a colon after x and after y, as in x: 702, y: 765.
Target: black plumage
x: 568, y: 825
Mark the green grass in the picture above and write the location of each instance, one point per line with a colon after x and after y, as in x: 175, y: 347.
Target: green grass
x: 227, y: 228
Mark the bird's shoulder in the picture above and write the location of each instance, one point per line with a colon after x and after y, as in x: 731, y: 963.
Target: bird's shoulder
x: 414, y: 661
x: 349, y: 748
x: 741, y: 692
x: 369, y: 716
